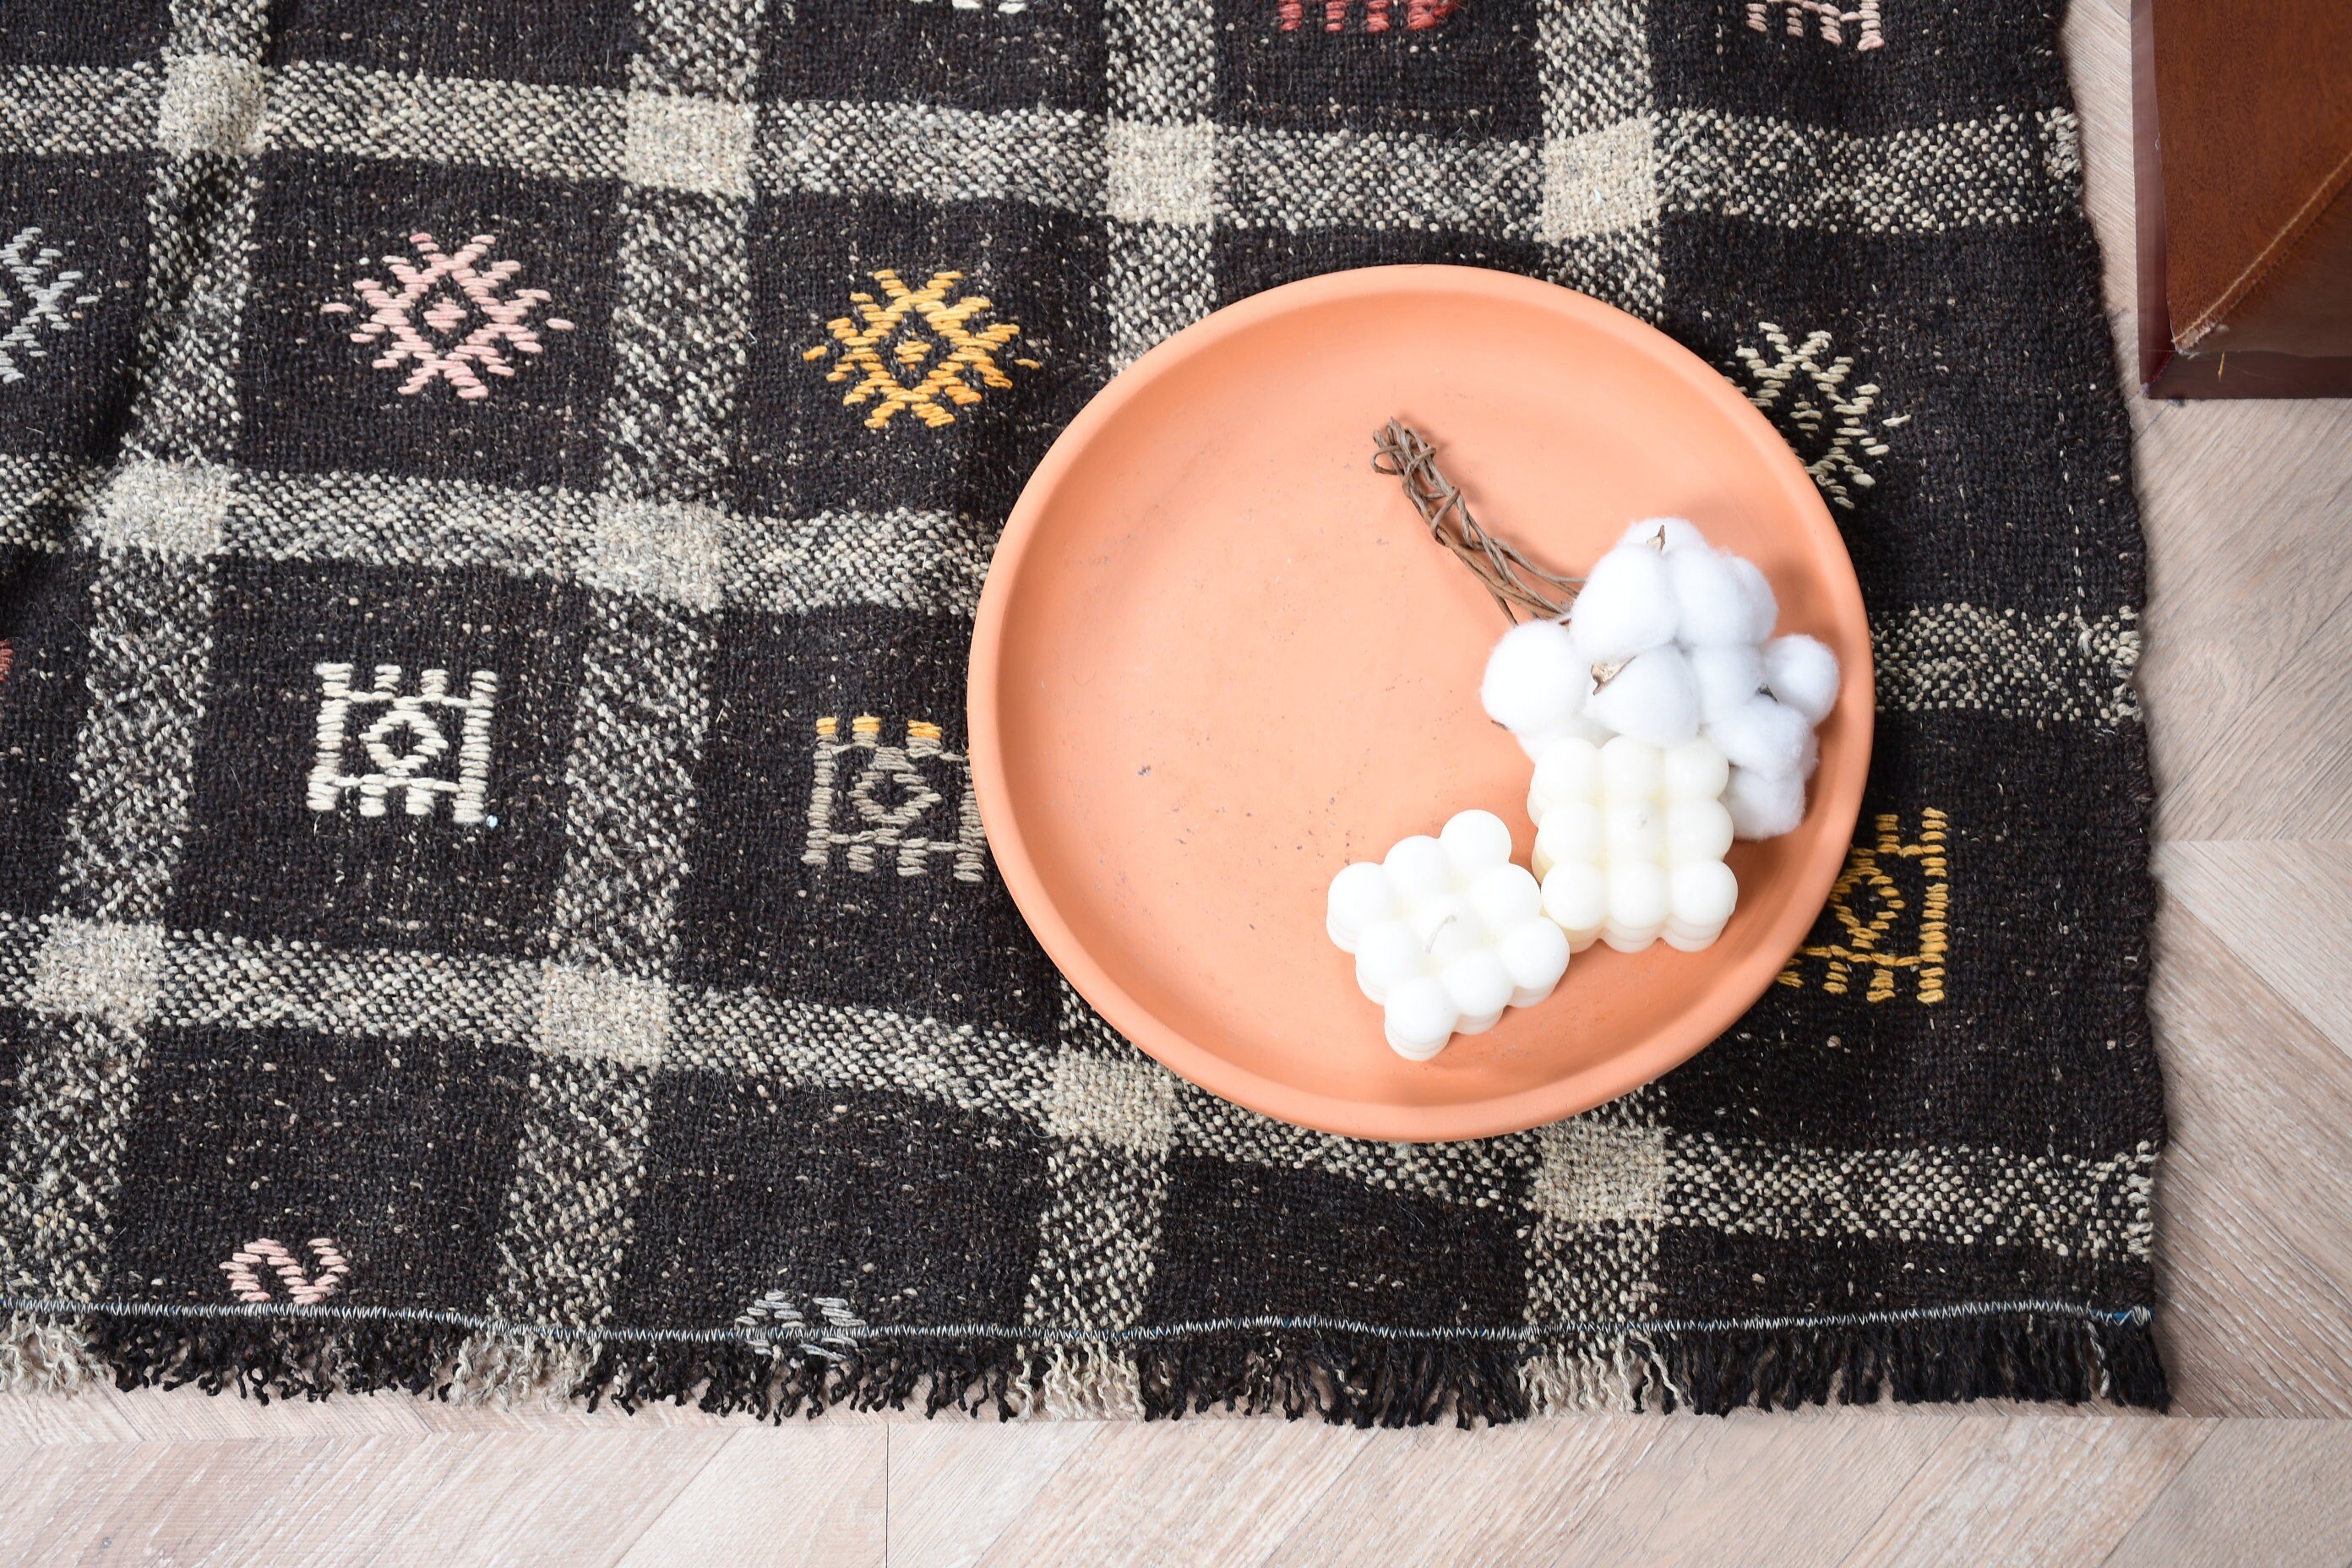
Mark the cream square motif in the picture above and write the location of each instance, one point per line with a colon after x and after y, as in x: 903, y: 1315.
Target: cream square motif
x: 688, y: 143
x: 1161, y: 174
x: 905, y: 807
x: 673, y: 550
x: 1596, y: 1173
x: 165, y: 509
x: 93, y: 969
x: 1126, y: 1102
x: 420, y: 744
x: 603, y: 1016
x: 211, y: 104
x: 1600, y: 183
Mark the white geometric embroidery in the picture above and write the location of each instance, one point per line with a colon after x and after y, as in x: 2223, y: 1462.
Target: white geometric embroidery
x: 455, y: 295
x: 1803, y: 417
x: 775, y: 1319
x: 892, y: 794
x: 409, y: 719
x: 34, y: 295
x: 302, y: 1288
x: 1832, y: 20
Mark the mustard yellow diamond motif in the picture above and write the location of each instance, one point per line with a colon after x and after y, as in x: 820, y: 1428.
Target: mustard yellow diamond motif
x: 916, y: 349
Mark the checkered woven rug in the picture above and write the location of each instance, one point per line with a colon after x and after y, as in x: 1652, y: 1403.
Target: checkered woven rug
x: 490, y: 896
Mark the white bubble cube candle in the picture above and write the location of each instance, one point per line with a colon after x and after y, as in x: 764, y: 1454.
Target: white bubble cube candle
x: 1630, y: 840
x: 1446, y: 932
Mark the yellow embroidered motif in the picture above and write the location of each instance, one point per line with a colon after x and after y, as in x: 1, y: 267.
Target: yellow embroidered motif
x: 1870, y: 900
x: 892, y: 336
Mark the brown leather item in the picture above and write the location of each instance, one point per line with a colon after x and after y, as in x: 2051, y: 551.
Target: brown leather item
x: 2242, y: 114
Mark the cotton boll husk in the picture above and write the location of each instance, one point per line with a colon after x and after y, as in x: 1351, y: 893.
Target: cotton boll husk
x: 1534, y: 951
x: 1728, y: 674
x: 1802, y: 672
x: 1480, y: 987
x: 1682, y: 533
x: 1387, y: 955
x: 1763, y: 609
x: 1473, y: 841
x: 1535, y: 743
x: 1652, y: 698
x: 1420, y: 1018
x: 1764, y: 806
x: 1626, y: 606
x: 1763, y: 735
x: 1712, y: 598
x: 1361, y: 896
x: 1535, y: 678
x: 1419, y: 868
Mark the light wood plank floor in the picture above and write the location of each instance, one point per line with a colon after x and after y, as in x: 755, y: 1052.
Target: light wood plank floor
x: 2248, y: 510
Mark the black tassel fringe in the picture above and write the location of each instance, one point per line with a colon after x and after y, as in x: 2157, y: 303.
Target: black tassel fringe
x: 1348, y: 1378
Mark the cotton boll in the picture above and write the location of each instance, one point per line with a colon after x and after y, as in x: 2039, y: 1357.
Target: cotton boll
x: 1728, y: 674
x: 1420, y: 1018
x: 1681, y: 533
x: 1697, y: 830
x: 1535, y: 678
x: 1573, y: 830
x: 1387, y: 955
x: 1506, y: 896
x: 1702, y: 894
x: 1567, y: 770
x: 1535, y: 743
x: 1696, y: 770
x: 1763, y: 735
x: 1480, y: 987
x: 1764, y: 806
x: 1712, y: 597
x: 1626, y: 606
x: 1419, y: 868
x: 1361, y: 897
x: 1534, y: 951
x: 1802, y: 672
x: 1763, y: 609
x: 1652, y: 698
x: 1809, y: 759
x: 1474, y: 841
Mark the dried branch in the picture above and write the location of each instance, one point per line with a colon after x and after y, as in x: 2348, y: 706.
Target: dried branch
x: 1514, y: 583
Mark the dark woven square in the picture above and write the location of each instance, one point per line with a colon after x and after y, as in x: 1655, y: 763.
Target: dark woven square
x: 493, y: 501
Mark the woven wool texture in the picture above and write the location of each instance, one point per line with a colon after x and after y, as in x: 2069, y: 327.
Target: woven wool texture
x: 490, y: 895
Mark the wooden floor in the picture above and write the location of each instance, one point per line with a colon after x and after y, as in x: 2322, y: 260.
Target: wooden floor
x: 2249, y: 509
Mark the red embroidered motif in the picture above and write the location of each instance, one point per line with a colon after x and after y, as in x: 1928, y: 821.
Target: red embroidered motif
x: 458, y: 297
x: 302, y: 1288
x: 1420, y: 16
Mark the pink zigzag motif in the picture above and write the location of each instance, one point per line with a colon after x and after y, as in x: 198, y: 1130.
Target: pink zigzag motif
x: 453, y: 291
x: 304, y: 1289
x: 1420, y: 16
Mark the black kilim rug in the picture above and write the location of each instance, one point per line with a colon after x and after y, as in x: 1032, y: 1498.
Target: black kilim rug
x: 490, y: 898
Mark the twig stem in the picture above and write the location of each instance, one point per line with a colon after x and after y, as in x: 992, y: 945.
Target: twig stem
x: 1516, y: 584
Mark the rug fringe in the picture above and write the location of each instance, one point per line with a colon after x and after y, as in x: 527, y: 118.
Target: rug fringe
x: 1342, y: 1376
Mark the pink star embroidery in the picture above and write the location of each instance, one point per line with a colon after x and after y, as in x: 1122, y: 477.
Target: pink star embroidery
x: 466, y: 323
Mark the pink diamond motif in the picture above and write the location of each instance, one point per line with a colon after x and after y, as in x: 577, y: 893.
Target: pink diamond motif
x: 458, y: 294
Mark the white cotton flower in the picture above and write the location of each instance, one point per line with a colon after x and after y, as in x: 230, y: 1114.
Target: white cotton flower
x: 1728, y: 674
x: 1763, y: 609
x: 1762, y: 804
x: 1712, y: 597
x: 1762, y: 734
x: 1802, y: 672
x: 1625, y: 608
x: 1536, y: 679
x: 1654, y: 698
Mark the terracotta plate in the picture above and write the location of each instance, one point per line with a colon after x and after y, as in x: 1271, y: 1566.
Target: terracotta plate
x: 1218, y: 658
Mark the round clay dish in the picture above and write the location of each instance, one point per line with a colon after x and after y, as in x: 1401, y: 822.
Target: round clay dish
x: 1218, y: 658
